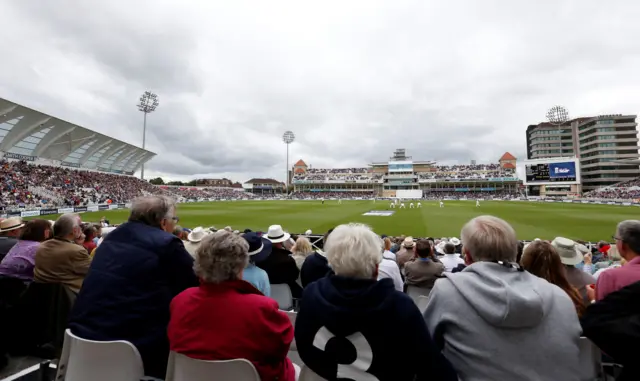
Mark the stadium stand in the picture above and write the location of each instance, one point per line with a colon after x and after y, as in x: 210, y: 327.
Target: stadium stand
x: 627, y: 190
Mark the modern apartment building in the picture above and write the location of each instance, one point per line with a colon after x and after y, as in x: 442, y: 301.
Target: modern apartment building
x: 602, y: 143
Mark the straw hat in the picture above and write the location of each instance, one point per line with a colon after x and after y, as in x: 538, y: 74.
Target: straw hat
x: 11, y: 223
x: 275, y: 234
x: 408, y: 243
x: 197, y: 234
x: 566, y: 248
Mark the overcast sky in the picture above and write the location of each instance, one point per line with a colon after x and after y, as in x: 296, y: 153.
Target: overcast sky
x: 449, y: 81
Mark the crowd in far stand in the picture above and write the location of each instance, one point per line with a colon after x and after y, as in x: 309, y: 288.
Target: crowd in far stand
x: 484, y: 306
x: 625, y: 190
x: 325, y: 195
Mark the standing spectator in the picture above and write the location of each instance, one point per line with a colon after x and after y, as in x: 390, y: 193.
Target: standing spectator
x: 138, y: 268
x: 89, y: 236
x: 21, y: 259
x: 315, y: 266
x: 425, y: 269
x: 450, y: 259
x: 494, y: 301
x: 203, y: 326
x: 541, y: 259
x: 570, y: 256
x: 352, y: 309
x: 301, y: 250
x: 61, y: 260
x: 259, y: 250
x: 628, y: 245
x: 10, y: 230
x: 406, y: 253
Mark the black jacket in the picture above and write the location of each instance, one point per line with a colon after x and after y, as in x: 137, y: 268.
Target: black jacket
x: 281, y: 268
x: 134, y: 275
x: 347, y: 327
x: 613, y: 324
x: 313, y: 268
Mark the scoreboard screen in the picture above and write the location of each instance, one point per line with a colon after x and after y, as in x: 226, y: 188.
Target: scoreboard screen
x: 551, y: 172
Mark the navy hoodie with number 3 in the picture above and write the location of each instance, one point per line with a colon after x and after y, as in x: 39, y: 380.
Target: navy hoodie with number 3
x: 365, y: 330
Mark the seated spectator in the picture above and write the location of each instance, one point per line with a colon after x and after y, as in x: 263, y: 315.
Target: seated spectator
x: 425, y: 269
x: 387, y: 253
x: 388, y: 268
x: 352, y: 309
x: 406, y: 252
x: 137, y: 269
x: 450, y: 259
x: 98, y: 228
x: 193, y: 240
x: 570, y: 257
x: 316, y: 265
x: 10, y: 230
x: 21, y: 259
x: 61, y: 260
x: 614, y: 261
x: 89, y: 236
x: 494, y: 302
x: 259, y: 250
x: 541, y: 259
x: 203, y: 326
x: 104, y: 222
x: 301, y: 250
x: 628, y: 245
x: 613, y: 324
x: 280, y: 266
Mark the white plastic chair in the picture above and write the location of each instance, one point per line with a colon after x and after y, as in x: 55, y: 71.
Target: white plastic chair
x: 184, y: 368
x: 83, y: 360
x: 590, y: 360
x: 282, y: 294
x: 292, y: 316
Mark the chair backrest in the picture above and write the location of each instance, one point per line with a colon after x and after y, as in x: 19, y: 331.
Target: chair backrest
x: 292, y: 316
x: 98, y: 360
x: 183, y: 368
x: 307, y: 374
x: 590, y: 360
x: 282, y: 294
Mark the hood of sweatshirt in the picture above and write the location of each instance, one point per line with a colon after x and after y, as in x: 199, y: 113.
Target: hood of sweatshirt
x: 504, y: 296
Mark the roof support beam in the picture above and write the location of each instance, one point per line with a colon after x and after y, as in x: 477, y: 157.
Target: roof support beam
x: 124, y: 156
x: 8, y: 113
x: 25, y: 127
x: 51, y: 137
x: 134, y: 160
x: 109, y: 153
x: 92, y: 151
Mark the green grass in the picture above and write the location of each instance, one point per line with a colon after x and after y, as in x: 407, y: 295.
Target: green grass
x: 529, y: 219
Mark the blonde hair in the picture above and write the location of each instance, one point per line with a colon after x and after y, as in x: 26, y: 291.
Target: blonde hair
x: 489, y: 238
x: 387, y: 244
x: 302, y: 246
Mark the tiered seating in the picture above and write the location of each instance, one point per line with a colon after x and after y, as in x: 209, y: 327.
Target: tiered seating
x: 319, y: 195
x: 629, y: 189
x: 335, y: 174
x: 468, y: 172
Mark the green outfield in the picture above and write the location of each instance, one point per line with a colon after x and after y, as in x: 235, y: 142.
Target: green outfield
x: 531, y: 220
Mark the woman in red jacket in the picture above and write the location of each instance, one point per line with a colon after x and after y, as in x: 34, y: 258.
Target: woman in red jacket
x: 227, y: 318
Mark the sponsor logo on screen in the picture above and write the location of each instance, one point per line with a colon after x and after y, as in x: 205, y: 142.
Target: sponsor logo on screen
x: 567, y: 169
x: 379, y: 213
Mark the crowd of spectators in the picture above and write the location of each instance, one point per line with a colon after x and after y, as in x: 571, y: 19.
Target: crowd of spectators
x: 459, y: 308
x: 326, y: 195
x: 501, y: 193
x: 192, y: 193
x: 627, y: 190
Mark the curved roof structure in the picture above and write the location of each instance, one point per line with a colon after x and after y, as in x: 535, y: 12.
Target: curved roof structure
x: 29, y: 134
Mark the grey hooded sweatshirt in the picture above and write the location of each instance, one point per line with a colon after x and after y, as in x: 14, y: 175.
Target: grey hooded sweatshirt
x: 495, y: 323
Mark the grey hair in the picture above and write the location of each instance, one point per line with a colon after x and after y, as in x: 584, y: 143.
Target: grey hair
x: 629, y: 234
x: 151, y: 210
x: 221, y: 256
x: 354, y: 250
x: 65, y: 224
x: 489, y: 238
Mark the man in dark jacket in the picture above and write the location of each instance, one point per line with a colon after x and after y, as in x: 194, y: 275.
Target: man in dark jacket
x: 613, y: 324
x: 352, y: 326
x: 315, y: 266
x: 135, y: 273
x: 280, y: 265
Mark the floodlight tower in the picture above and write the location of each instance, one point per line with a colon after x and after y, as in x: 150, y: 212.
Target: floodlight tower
x: 288, y: 138
x: 557, y: 115
x: 147, y: 104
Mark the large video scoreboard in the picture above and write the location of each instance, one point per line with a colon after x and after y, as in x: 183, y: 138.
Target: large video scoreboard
x: 559, y: 171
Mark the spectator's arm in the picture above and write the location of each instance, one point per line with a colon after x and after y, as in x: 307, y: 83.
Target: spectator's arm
x: 604, y: 285
x: 179, y: 267
x: 81, y: 261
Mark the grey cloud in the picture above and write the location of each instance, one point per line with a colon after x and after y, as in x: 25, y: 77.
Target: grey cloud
x: 353, y: 82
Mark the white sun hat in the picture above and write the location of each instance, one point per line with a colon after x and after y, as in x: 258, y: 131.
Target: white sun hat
x: 197, y: 234
x: 566, y: 248
x: 275, y: 234
x: 308, y: 232
x: 454, y: 241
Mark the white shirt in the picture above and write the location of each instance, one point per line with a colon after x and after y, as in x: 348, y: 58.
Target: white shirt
x: 451, y: 261
x: 389, y: 269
